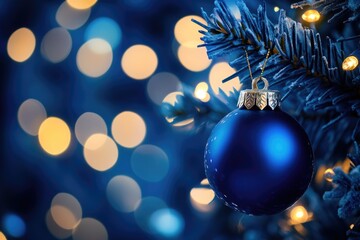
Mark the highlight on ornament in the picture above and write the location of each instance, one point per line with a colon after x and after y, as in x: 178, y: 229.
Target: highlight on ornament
x: 311, y: 16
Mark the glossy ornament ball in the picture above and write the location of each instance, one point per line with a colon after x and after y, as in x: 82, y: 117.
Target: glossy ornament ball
x: 259, y: 161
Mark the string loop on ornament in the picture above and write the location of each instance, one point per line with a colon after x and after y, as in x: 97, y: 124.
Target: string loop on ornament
x: 255, y: 83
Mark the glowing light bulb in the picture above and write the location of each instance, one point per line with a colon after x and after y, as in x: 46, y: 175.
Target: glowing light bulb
x: 201, y: 92
x: 350, y: 63
x: 299, y: 214
x: 311, y: 16
x: 352, y: 226
x: 276, y: 9
x: 329, y: 175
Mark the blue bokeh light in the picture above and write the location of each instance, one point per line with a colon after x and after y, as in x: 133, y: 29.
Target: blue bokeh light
x: 278, y: 145
x: 14, y: 225
x: 167, y: 222
x: 104, y: 28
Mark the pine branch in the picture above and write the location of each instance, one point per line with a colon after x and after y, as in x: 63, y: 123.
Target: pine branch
x: 335, y: 8
x: 299, y: 62
x: 346, y: 192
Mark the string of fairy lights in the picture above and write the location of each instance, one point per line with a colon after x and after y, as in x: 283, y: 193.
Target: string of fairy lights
x: 128, y: 129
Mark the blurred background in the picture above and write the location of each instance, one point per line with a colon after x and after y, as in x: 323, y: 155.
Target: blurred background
x: 86, y: 153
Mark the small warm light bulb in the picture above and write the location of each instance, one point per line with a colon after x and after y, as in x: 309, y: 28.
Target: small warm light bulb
x: 299, y: 214
x: 352, y: 226
x: 311, y: 16
x: 350, y: 63
x: 329, y: 174
x: 276, y: 9
x: 201, y: 92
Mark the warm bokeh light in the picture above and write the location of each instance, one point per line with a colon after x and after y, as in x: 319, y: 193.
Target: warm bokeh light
x: 21, y: 44
x: 350, y: 63
x: 139, y: 62
x: 219, y: 72
x: 128, y: 129
x: 161, y: 84
x: 187, y: 32
x: 299, y: 214
x: 167, y: 222
x: 30, y: 115
x: 276, y: 9
x: 202, y: 194
x: 201, y: 92
x: 57, y: 231
x: 352, y: 226
x: 193, y: 59
x: 171, y: 99
x: 104, y: 28
x: 54, y: 135
x: 90, y: 229
x: 150, y: 163
x: 56, y: 45
x: 100, y: 152
x: 123, y: 193
x: 319, y: 177
x: 71, y: 18
x: 88, y: 124
x: 94, y: 57
x: 66, y: 210
x: 311, y: 16
x: 148, y: 206
x: 329, y: 174
x: 81, y: 4
x: 2, y: 236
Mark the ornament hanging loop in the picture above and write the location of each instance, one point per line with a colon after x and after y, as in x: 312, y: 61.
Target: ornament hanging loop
x: 255, y: 83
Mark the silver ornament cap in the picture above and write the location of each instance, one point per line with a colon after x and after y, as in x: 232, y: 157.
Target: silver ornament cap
x: 259, y: 98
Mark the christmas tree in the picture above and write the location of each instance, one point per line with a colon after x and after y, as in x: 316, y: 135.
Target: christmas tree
x: 320, y: 89
x: 88, y: 154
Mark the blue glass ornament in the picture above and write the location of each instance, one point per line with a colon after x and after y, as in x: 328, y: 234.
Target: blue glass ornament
x: 259, y: 159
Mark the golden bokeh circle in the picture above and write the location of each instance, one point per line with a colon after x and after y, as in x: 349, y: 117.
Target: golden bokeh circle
x: 187, y: 32
x: 139, y: 62
x: 21, y: 44
x: 54, y: 135
x: 100, y: 152
x: 128, y: 129
x: 81, y: 4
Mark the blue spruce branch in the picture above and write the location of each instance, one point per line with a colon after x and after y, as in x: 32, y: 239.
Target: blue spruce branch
x: 299, y: 63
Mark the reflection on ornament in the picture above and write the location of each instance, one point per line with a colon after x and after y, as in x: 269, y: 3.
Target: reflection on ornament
x: 311, y: 16
x: 350, y: 63
x: 258, y: 159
